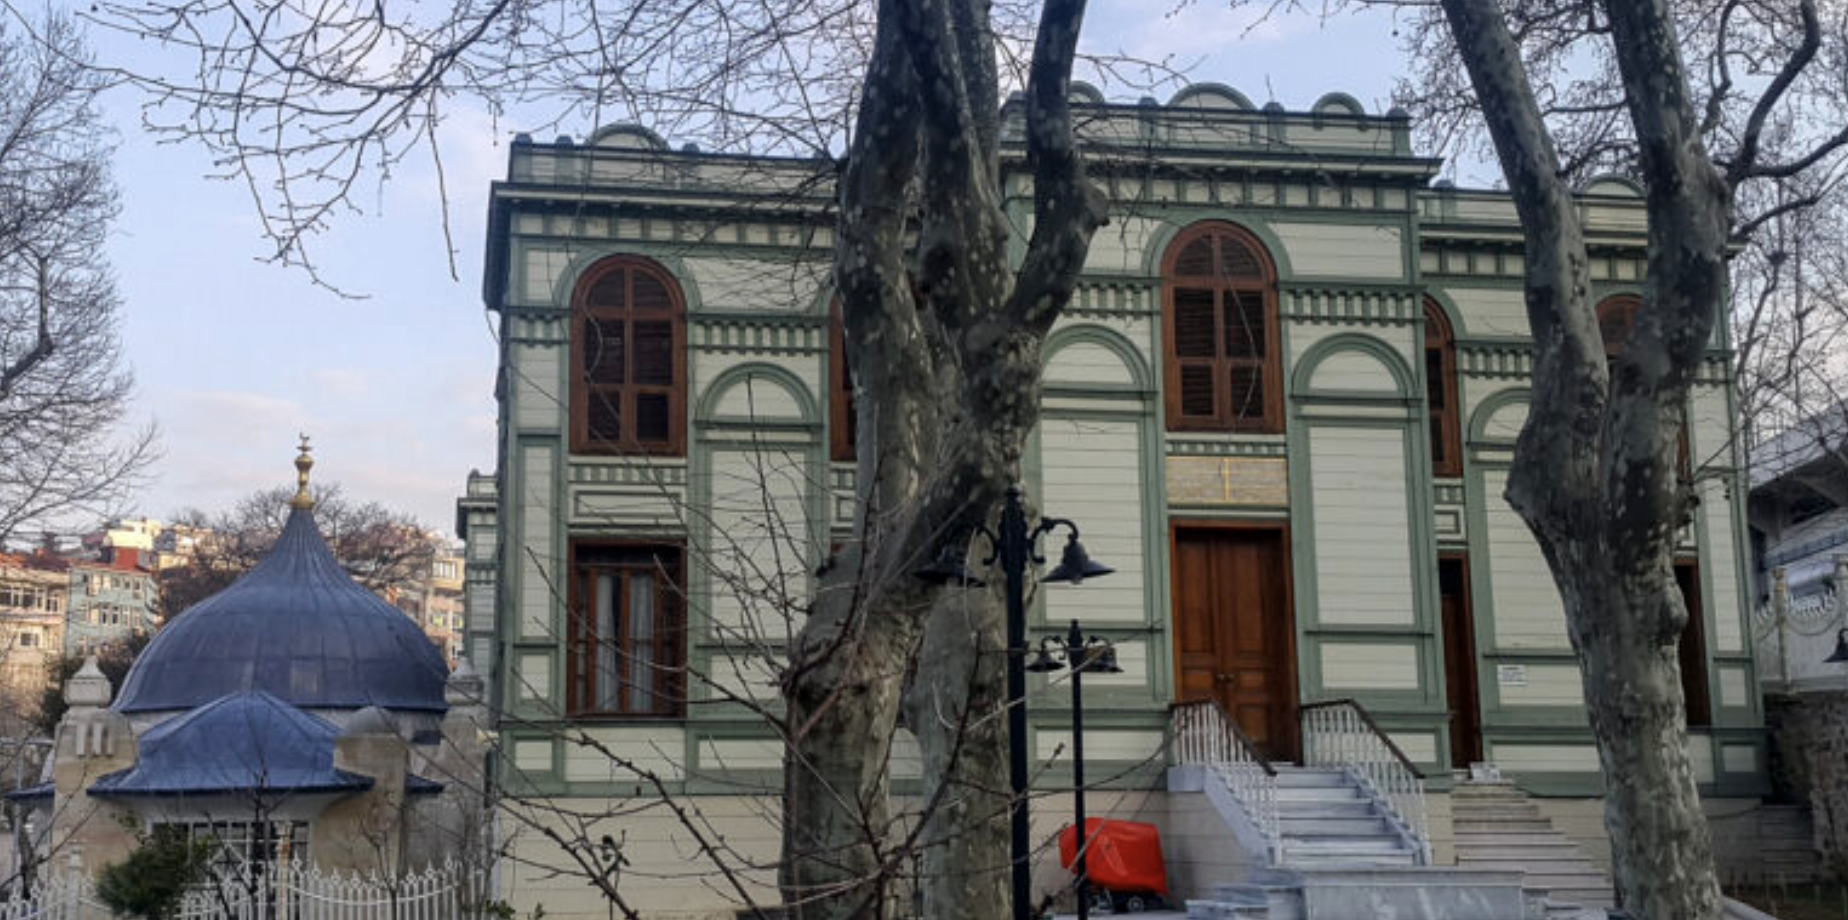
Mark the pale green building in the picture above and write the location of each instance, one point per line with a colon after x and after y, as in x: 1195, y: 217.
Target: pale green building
x: 1282, y: 406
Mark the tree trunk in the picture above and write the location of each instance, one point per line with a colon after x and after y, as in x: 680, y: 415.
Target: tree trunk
x: 1624, y: 630
x: 946, y: 339
x: 848, y: 671
x: 1595, y: 475
x: 959, y: 716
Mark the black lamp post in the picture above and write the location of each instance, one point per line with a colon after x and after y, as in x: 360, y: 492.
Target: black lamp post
x: 1014, y: 547
x: 1080, y: 654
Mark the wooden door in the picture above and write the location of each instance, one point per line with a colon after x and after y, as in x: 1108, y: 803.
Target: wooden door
x: 1460, y: 686
x: 1694, y: 647
x: 1234, y: 638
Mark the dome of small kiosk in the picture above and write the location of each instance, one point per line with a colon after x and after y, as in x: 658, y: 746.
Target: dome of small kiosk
x: 296, y: 627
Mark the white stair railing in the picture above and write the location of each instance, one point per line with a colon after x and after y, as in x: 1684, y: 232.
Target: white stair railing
x: 1340, y: 733
x: 1202, y: 734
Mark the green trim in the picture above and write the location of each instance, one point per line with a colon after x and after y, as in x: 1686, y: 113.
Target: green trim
x: 1302, y: 376
x: 580, y: 257
x: 705, y: 410
x: 1141, y: 376
x: 1475, y: 432
x: 1179, y: 217
x: 1422, y: 631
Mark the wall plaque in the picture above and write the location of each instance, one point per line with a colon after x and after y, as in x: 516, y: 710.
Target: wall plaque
x: 1228, y: 481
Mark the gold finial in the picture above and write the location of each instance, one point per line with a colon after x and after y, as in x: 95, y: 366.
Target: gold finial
x: 303, y: 463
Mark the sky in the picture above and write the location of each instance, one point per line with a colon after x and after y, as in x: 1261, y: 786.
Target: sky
x: 234, y: 357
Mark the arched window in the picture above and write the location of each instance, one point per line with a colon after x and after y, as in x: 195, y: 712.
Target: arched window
x: 1616, y: 318
x: 628, y: 361
x: 1219, y: 324
x: 842, y: 425
x: 1440, y: 354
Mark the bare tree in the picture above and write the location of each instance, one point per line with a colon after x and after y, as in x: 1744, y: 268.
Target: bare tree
x: 387, y: 551
x: 1595, y: 467
x: 1727, y: 114
x: 63, y: 392
x: 301, y: 100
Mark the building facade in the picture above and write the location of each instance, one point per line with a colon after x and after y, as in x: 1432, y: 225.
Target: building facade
x: 1282, y: 405
x: 34, y: 591
x: 293, y: 716
x: 112, y: 598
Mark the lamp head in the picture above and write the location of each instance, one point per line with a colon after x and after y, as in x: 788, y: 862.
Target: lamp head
x: 1104, y: 660
x: 1076, y: 565
x: 1043, y: 662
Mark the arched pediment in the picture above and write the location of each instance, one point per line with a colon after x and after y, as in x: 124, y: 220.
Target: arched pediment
x: 1352, y: 364
x: 1499, y: 418
x: 758, y: 393
x: 1211, y: 96
x: 1092, y: 356
x: 626, y: 137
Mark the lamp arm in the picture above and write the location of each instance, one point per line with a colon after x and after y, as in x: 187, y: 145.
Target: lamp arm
x: 994, y: 543
x: 1049, y: 524
x: 1046, y: 526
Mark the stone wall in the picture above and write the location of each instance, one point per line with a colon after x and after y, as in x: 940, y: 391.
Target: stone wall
x: 1809, y: 734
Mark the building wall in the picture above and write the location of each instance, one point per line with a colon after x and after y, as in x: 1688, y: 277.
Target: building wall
x: 32, y: 605
x: 108, y: 603
x: 1357, y: 251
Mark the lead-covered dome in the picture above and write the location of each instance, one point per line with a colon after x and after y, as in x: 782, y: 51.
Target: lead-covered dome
x: 296, y: 627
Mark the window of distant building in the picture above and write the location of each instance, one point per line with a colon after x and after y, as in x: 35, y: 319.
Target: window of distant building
x: 628, y: 360
x: 627, y: 631
x: 1440, y: 354
x: 1219, y: 323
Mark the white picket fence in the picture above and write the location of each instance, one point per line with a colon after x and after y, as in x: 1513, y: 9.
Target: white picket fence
x: 280, y: 893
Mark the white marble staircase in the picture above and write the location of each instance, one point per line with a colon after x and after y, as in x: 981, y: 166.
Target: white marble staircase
x: 1496, y: 826
x: 1325, y: 817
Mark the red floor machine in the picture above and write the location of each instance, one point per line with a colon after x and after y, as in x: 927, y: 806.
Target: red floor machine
x: 1124, y: 861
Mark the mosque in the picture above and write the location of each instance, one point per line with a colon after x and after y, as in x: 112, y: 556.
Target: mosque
x: 294, y: 716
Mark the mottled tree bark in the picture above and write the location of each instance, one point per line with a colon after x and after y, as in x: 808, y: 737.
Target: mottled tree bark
x: 1594, y: 474
x: 944, y: 335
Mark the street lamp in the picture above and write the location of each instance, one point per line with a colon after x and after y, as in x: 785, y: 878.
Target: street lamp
x: 1080, y: 654
x: 1014, y: 547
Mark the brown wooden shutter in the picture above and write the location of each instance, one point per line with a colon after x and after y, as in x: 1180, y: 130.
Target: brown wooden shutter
x: 1247, y: 334
x: 1198, y: 392
x: 629, y: 388
x: 1616, y: 320
x: 1440, y: 393
x: 1221, y: 334
x: 1237, y: 262
x: 1196, y: 260
x: 843, y: 425
x: 1247, y: 396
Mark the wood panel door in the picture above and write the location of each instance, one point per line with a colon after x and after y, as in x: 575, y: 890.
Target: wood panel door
x: 1693, y: 648
x: 1460, y: 682
x: 1234, y: 639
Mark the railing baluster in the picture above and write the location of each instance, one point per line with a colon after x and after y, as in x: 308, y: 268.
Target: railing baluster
x: 1341, y: 733
x: 1205, y: 735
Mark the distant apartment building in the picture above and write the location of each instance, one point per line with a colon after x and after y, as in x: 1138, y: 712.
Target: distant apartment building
x: 34, y: 592
x: 177, y: 544
x: 434, y: 597
x: 111, y: 599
